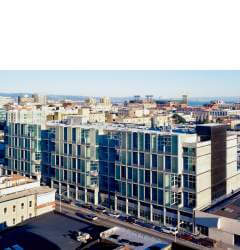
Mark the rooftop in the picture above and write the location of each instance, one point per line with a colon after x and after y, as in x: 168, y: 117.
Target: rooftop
x: 229, y: 207
x: 131, y: 238
x: 17, y: 195
x: 49, y: 231
x: 125, y: 127
x: 231, y: 210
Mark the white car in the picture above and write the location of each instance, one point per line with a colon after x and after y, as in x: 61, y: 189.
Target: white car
x: 170, y: 230
x: 113, y: 214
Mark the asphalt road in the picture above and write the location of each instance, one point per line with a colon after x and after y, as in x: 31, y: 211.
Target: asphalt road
x: 107, y: 221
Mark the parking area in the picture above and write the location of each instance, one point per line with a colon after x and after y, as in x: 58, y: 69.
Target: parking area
x: 50, y: 231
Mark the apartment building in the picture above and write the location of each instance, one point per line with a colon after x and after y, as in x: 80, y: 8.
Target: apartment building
x: 23, y: 149
x: 162, y: 177
x: 158, y: 176
x: 2, y: 115
x: 22, y: 198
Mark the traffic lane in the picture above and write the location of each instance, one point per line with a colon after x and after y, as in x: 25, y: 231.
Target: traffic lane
x: 108, y: 221
x: 111, y: 222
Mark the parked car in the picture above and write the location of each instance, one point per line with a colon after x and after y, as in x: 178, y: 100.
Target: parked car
x: 148, y: 225
x: 170, y: 230
x: 100, y: 209
x: 113, y: 214
x: 158, y: 229
x: 78, y: 204
x: 122, y: 218
x: 142, y: 223
x: 131, y: 219
x: 91, y: 217
x: 87, y: 205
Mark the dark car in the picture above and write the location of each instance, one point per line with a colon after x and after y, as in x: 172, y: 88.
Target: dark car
x: 91, y: 217
x: 100, y: 209
x: 68, y: 201
x: 158, y: 229
x: 122, y: 218
x: 87, y: 205
x: 148, y: 225
x: 131, y: 219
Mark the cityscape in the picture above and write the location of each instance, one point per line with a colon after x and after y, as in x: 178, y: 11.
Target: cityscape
x: 139, y: 171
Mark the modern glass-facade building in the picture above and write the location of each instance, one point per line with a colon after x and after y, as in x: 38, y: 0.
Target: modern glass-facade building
x: 23, y: 149
x: 157, y: 176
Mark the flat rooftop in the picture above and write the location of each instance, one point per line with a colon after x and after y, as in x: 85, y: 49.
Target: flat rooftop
x: 50, y: 231
x: 123, y: 127
x: 128, y: 237
x: 28, y: 192
x: 231, y: 211
x: 229, y: 208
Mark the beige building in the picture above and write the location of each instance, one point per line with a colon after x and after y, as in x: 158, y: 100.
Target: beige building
x: 22, y: 198
x: 219, y: 228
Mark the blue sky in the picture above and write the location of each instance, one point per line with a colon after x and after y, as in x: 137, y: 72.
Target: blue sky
x: 160, y: 83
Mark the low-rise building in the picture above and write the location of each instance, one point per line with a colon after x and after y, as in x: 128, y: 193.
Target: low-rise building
x: 22, y: 198
x: 219, y: 228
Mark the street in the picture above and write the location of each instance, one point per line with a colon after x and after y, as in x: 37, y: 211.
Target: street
x: 107, y: 221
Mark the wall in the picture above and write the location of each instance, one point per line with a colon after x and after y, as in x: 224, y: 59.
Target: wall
x: 19, y: 212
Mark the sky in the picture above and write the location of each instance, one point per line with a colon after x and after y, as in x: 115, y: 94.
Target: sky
x: 122, y: 83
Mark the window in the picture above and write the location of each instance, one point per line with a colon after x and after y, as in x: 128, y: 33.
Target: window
x: 154, y: 161
x: 65, y: 134
x: 135, y: 140
x: 129, y: 140
x: 22, y: 218
x: 154, y: 194
x: 74, y: 135
x: 123, y: 172
x: 147, y: 142
x: 22, y: 205
x: 168, y: 163
x: 135, y: 190
x: 74, y: 163
x: 118, y: 172
x: 14, y: 221
x: 70, y: 149
x: 185, y: 163
x: 147, y: 176
x: 129, y: 173
x: 154, y: 177
x: 141, y: 142
x: 129, y: 158
x: 5, y: 210
x: 14, y: 208
x: 65, y: 148
x: 141, y: 176
x: 192, y: 182
x: 30, y: 215
x: 79, y: 150
x: 135, y: 158
x: 135, y: 175
x: 30, y: 203
x: 147, y: 193
x: 142, y: 159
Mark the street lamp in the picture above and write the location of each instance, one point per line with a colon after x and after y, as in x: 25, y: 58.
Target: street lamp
x: 178, y: 224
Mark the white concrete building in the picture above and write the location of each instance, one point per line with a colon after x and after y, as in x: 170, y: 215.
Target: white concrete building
x: 22, y: 198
